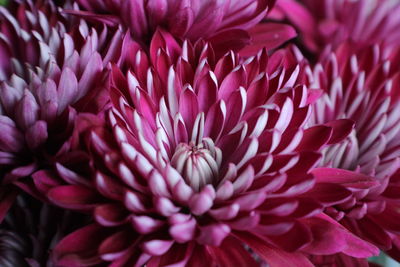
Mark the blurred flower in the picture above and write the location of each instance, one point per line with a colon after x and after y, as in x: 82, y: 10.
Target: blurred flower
x: 47, y: 76
x: 23, y: 26
x: 365, y: 88
x: 199, y: 157
x: 323, y: 23
x: 222, y: 23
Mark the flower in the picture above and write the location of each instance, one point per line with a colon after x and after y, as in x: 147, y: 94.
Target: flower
x: 18, y: 45
x: 199, y: 157
x: 30, y: 231
x: 363, y: 86
x: 47, y: 78
x: 329, y: 23
x: 222, y: 23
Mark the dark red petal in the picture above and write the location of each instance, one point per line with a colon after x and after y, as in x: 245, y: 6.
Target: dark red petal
x: 340, y: 130
x: 314, y: 138
x: 7, y: 197
x: 80, y: 247
x: 299, y: 236
x: 273, y: 256
x: 110, y: 214
x: 73, y: 197
x: 344, y: 177
x: 268, y: 35
x: 329, y: 194
x: 232, y: 253
x: 330, y: 237
x: 115, y: 245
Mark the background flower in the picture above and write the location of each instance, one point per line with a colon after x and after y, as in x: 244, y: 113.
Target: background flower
x: 224, y: 24
x: 329, y: 22
x: 364, y: 87
x: 198, y: 157
x: 48, y: 76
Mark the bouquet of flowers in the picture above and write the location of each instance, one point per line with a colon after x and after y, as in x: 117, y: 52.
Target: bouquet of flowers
x: 199, y: 132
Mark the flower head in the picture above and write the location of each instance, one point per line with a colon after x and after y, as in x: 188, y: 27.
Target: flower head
x: 198, y: 157
x: 364, y: 87
x: 329, y: 23
x: 222, y: 23
x: 44, y: 91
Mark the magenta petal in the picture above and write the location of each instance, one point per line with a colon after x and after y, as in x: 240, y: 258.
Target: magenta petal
x: 330, y: 237
x: 106, y: 19
x: 341, y: 129
x: 232, y: 253
x: 110, y: 214
x: 315, y: 137
x: 145, y: 224
x: 115, y: 245
x: 296, y: 238
x: 157, y: 247
x: 268, y: 35
x: 389, y: 218
x: 356, y: 247
x: 37, y: 134
x: 177, y: 256
x: 231, y: 83
x: 73, y: 197
x: 184, y: 231
x: 344, y: 177
x: 273, y: 256
x: 329, y: 194
x: 44, y: 180
x: 203, y: 201
x: 213, y: 234
x: 80, y: 247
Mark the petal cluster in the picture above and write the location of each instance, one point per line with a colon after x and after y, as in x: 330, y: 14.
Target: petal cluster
x: 199, y: 133
x: 329, y: 23
x: 363, y: 86
x: 223, y: 23
x: 47, y: 88
x: 198, y: 157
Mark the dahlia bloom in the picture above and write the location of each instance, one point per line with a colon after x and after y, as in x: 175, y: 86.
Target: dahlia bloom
x: 363, y: 87
x: 324, y: 23
x: 199, y: 158
x: 30, y: 231
x: 47, y: 77
x: 225, y: 24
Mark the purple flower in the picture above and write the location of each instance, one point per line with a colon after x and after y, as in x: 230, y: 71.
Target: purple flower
x: 47, y: 78
x: 199, y: 157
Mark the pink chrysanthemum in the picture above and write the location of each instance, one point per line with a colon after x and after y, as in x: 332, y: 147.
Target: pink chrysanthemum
x: 222, y: 23
x: 365, y: 88
x: 198, y: 159
x: 324, y: 23
x: 47, y: 76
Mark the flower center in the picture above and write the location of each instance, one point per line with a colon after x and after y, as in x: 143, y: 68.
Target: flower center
x: 198, y: 164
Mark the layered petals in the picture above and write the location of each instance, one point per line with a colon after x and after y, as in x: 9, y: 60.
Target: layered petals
x: 207, y: 155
